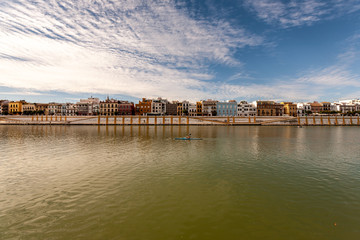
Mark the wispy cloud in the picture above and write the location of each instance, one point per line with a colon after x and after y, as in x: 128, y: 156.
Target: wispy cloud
x: 326, y: 83
x: 23, y: 93
x: 137, y: 48
x: 300, y: 12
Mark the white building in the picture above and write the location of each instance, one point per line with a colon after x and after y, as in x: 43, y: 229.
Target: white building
x: 158, y: 106
x: 54, y: 108
x: 70, y: 109
x: 335, y: 107
x: 345, y: 108
x: 90, y: 106
x: 192, y: 109
x: 245, y: 109
x: 349, y: 105
x: 305, y: 106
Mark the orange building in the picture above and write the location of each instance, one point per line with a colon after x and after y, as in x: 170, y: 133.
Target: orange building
x: 269, y: 108
x: 143, y: 107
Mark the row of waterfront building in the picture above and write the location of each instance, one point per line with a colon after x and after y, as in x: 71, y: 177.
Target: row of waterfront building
x: 94, y: 106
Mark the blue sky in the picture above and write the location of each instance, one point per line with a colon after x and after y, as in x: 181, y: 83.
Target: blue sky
x: 232, y: 49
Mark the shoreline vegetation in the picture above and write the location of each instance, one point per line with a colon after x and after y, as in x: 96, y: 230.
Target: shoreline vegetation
x: 138, y: 120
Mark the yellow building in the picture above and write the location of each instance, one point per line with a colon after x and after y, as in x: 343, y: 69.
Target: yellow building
x: 179, y: 109
x: 199, y: 109
x: 109, y: 107
x: 16, y: 107
x: 290, y: 109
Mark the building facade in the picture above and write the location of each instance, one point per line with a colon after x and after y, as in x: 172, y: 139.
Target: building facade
x: 54, y: 108
x: 326, y: 106
x: 199, y: 109
x: 16, y: 107
x: 109, y: 107
x: 70, y: 109
x: 192, y: 111
x: 171, y: 109
x: 4, y: 107
x: 28, y: 108
x: 290, y: 109
x: 158, y: 106
x: 245, y: 109
x: 126, y: 108
x: 143, y: 107
x: 226, y: 109
x: 316, y: 107
x: 269, y: 108
x: 209, y: 107
x: 42, y: 108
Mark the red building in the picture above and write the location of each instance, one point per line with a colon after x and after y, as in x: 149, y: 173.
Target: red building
x: 125, y: 108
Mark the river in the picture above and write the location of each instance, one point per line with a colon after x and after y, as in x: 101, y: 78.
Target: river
x: 123, y: 182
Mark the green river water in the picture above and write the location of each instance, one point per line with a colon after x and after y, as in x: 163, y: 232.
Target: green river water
x: 244, y: 182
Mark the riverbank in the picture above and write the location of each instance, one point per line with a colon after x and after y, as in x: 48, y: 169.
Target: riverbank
x: 180, y: 120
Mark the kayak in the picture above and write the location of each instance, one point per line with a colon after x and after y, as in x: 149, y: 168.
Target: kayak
x: 184, y: 138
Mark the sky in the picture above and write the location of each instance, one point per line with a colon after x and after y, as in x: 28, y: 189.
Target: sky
x: 282, y: 50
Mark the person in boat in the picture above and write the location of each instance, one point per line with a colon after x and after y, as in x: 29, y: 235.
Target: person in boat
x: 188, y: 136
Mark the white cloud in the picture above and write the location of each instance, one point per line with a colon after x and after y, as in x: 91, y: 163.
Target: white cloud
x: 145, y: 49
x: 300, y: 12
x: 132, y: 48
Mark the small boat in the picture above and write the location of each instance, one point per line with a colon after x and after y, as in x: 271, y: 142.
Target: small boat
x: 185, y: 138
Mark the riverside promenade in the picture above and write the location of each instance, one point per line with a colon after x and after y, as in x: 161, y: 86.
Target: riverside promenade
x: 180, y: 120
